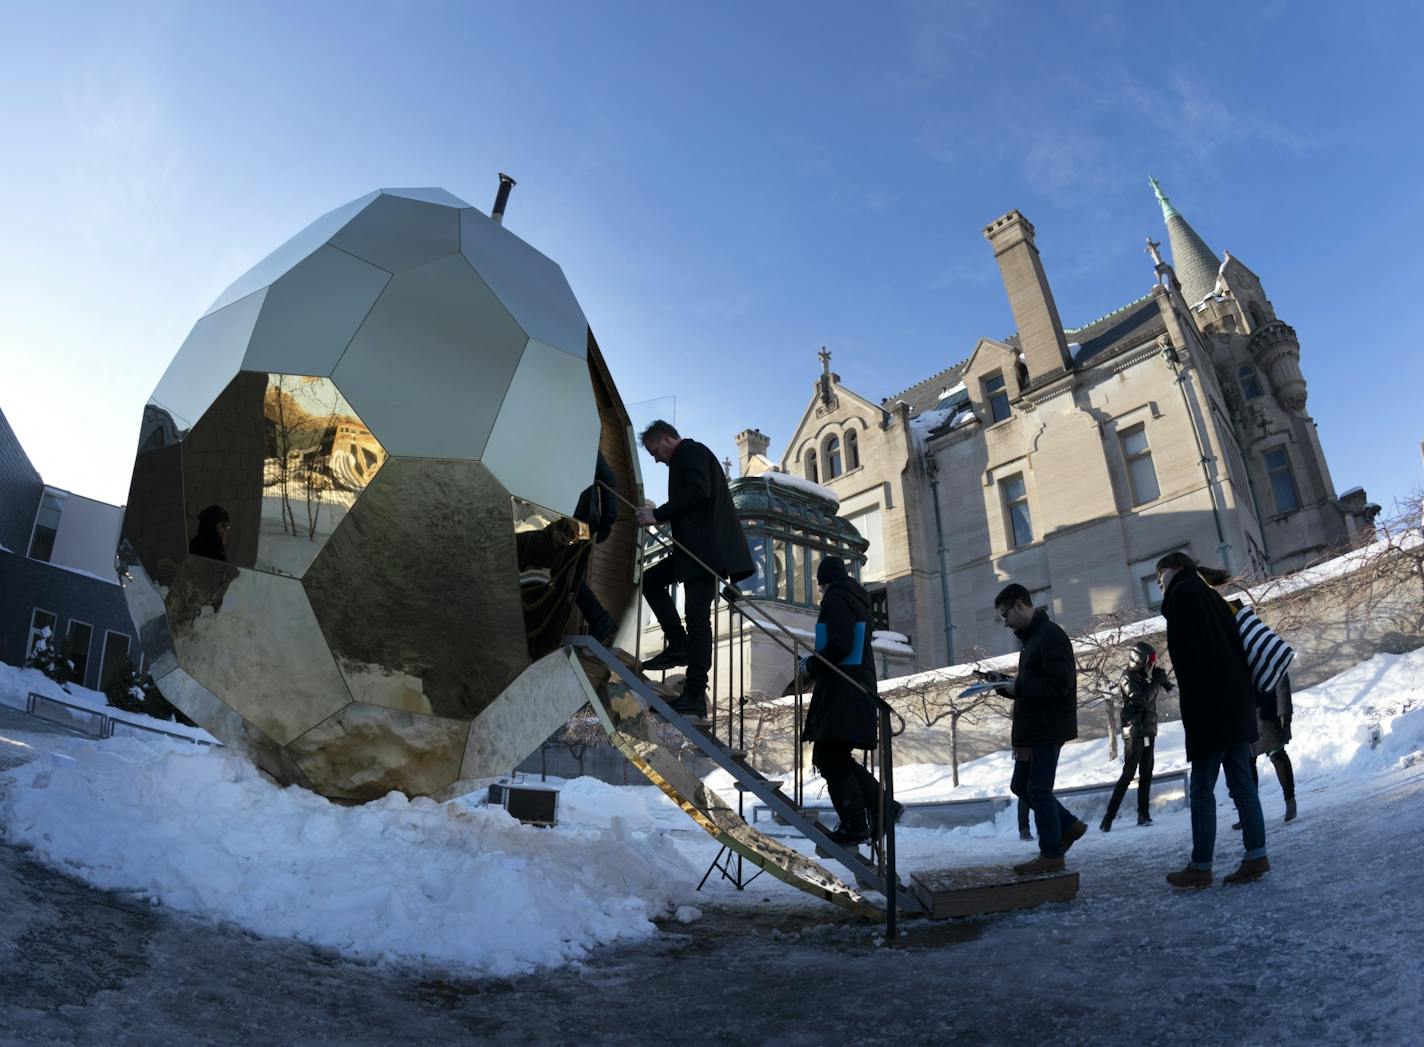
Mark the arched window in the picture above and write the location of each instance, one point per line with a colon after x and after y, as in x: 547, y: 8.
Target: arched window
x: 1250, y: 384
x: 852, y: 450
x: 812, y: 473
x: 833, y: 457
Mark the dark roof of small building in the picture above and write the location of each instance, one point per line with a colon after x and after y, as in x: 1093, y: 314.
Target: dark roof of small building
x: 924, y: 396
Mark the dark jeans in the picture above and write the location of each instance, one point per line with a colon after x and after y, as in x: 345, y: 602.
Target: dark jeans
x: 697, y: 596
x: 1033, y: 779
x: 1236, y: 762
x: 848, y: 783
x: 595, y: 615
x: 1137, y: 756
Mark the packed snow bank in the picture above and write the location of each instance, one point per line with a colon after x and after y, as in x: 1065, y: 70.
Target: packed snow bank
x: 395, y: 880
x: 16, y: 684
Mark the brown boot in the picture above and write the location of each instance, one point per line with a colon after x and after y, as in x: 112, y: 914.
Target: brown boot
x: 1072, y: 834
x: 1249, y: 869
x: 1190, y: 877
x: 1041, y: 864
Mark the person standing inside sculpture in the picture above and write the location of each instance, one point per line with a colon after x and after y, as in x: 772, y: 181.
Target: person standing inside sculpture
x: 1045, y: 715
x: 597, y: 507
x: 842, y: 715
x: 1142, y: 681
x: 211, y: 539
x: 704, y: 528
x: 1218, y: 703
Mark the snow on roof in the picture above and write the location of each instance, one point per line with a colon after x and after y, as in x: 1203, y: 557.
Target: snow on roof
x: 803, y: 484
x: 953, y: 390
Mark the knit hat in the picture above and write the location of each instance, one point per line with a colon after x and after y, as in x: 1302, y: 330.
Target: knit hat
x: 830, y: 568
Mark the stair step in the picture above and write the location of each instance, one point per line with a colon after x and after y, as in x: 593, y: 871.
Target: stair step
x: 742, y: 787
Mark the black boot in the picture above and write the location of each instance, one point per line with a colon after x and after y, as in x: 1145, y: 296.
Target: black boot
x: 847, y: 799
x: 870, y: 794
x: 672, y: 656
x: 691, y: 703
x: 1286, y: 774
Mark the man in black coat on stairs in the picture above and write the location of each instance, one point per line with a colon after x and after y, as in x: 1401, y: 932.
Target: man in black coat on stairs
x: 704, y: 525
x: 843, y: 715
x: 597, y: 507
x: 1045, y: 694
x: 1141, y: 682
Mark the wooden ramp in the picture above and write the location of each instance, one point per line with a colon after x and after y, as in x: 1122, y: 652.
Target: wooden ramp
x: 983, y: 889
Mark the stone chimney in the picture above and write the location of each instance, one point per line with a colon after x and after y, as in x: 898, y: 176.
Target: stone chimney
x: 1040, y: 331
x: 750, y: 443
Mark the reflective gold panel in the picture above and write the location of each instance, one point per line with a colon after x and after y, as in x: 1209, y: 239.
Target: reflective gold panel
x: 365, y: 751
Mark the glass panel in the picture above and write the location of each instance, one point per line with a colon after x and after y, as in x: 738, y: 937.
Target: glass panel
x: 76, y: 647
x: 852, y: 451
x: 809, y: 595
x: 527, y: 283
x: 1134, y: 441
x: 1023, y: 526
x: 206, y: 361
x: 1250, y: 384
x: 116, y: 656
x: 993, y: 383
x: 398, y: 233
x: 47, y: 525
x: 833, y: 457
x: 756, y: 585
x: 545, y: 438
x: 1144, y: 479
x: 429, y: 368
x: 785, y: 571
x: 999, y: 406
x: 1014, y: 488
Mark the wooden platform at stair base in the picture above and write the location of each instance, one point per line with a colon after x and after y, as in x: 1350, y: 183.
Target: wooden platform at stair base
x: 983, y: 889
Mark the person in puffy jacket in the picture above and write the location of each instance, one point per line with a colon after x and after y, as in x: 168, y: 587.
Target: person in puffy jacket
x: 1142, y: 681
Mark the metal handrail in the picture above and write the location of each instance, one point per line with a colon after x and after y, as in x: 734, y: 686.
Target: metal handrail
x: 884, y: 845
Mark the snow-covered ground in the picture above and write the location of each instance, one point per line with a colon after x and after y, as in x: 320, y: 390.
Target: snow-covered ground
x: 465, y: 887
x: 16, y: 684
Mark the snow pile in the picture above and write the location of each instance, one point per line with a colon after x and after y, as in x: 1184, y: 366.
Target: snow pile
x: 395, y: 880
x: 802, y: 484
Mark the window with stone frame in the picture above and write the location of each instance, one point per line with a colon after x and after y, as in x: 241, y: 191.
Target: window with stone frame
x: 1141, y: 476
x: 1282, y: 478
x: 996, y: 395
x: 812, y: 473
x: 1018, y: 520
x: 832, y: 451
x: 1251, y: 387
x: 852, y: 450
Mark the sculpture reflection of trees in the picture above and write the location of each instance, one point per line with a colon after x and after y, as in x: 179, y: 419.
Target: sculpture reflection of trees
x: 302, y: 443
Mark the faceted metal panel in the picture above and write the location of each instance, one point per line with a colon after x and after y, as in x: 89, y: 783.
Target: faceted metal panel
x: 207, y: 360
x: 203, y: 707
x: 153, y: 515
x: 417, y: 591
x: 553, y: 469
x: 222, y: 465
x: 398, y: 233
x: 150, y: 617
x: 526, y: 713
x: 252, y: 637
x: 290, y: 253
x: 365, y: 751
x: 311, y: 313
x: 430, y: 195
x: 530, y: 284
x: 429, y: 367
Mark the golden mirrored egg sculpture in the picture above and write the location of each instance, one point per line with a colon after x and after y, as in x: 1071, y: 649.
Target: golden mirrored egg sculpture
x: 320, y: 545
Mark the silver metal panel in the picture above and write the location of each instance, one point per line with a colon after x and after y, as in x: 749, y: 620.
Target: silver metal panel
x: 365, y: 751
x: 530, y: 284
x: 206, y: 361
x: 291, y: 252
x: 527, y: 712
x: 252, y: 637
x: 429, y: 367
x: 550, y: 462
x: 150, y: 617
x: 311, y: 313
x: 417, y: 592
x: 154, y: 514
x: 398, y: 233
x: 429, y: 194
x: 222, y: 466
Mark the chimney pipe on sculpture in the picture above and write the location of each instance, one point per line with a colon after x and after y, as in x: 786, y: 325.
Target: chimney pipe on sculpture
x: 502, y: 198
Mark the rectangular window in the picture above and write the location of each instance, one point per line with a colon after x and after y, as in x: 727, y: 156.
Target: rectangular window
x: 808, y: 592
x: 1141, y: 477
x: 1278, y: 468
x: 756, y: 585
x: 1151, y: 592
x: 997, y: 397
x: 46, y: 525
x: 76, y: 647
x: 39, y: 622
x: 1020, y: 529
x: 116, y: 653
x: 785, y: 571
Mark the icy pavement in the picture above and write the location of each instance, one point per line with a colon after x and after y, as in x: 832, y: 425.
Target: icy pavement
x: 1326, y: 948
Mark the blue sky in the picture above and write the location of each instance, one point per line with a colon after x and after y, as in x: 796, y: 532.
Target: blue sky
x: 728, y: 187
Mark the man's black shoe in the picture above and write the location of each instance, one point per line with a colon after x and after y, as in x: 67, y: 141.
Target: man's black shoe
x: 671, y: 658
x: 691, y: 703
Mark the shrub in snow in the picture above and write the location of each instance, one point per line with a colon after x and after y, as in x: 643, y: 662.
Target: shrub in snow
x: 135, y: 692
x: 49, y: 660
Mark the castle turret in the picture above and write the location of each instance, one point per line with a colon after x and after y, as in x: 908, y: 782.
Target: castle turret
x: 1195, y: 264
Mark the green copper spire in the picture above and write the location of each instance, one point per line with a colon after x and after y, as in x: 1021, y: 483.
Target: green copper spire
x: 1168, y: 211
x: 1195, y: 264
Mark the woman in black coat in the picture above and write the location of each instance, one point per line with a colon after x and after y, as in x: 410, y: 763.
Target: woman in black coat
x: 842, y: 716
x: 1218, y: 702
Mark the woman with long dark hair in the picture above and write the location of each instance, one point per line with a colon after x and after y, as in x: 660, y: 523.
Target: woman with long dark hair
x: 1218, y: 702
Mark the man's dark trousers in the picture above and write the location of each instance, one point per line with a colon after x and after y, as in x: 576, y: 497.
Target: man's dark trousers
x: 697, y: 596
x: 1033, y: 778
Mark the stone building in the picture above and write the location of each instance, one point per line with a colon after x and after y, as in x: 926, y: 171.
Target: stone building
x: 1070, y: 459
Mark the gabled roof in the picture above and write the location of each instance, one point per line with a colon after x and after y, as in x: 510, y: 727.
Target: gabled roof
x: 924, y: 396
